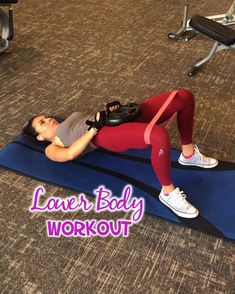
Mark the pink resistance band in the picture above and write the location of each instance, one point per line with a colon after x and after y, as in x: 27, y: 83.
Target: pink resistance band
x: 149, y: 127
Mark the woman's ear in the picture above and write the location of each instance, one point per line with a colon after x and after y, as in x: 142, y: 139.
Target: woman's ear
x: 40, y: 138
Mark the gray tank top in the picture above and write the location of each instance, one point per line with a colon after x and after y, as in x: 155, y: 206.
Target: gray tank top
x: 72, y: 129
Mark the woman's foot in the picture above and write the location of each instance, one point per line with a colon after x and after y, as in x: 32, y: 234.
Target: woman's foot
x: 176, y: 201
x: 197, y: 159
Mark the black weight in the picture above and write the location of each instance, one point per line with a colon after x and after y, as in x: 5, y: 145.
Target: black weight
x: 123, y: 114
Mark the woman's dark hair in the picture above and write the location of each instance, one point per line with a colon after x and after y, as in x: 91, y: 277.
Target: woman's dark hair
x: 30, y: 133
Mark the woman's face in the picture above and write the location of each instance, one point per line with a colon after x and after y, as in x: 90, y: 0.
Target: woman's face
x: 45, y: 126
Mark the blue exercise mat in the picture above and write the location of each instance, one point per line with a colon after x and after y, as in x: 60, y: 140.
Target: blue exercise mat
x: 211, y: 191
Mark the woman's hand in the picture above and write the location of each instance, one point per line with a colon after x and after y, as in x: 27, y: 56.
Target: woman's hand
x: 101, y: 116
x: 112, y: 106
x: 99, y: 121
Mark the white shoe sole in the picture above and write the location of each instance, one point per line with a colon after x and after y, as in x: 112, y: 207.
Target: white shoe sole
x: 199, y: 165
x: 181, y: 214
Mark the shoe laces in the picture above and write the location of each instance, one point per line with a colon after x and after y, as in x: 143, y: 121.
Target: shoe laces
x: 201, y: 156
x: 182, y: 199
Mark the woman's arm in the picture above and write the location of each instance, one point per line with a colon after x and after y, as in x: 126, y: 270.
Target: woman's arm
x: 61, y: 154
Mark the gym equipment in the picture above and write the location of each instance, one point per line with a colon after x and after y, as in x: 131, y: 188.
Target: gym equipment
x: 215, y: 202
x: 224, y: 38
x: 187, y: 32
x: 7, y: 24
x: 123, y: 114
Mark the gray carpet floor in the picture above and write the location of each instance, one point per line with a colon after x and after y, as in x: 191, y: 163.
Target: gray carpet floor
x: 78, y: 55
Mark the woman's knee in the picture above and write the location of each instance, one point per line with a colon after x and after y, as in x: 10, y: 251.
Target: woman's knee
x: 186, y: 96
x: 159, y: 136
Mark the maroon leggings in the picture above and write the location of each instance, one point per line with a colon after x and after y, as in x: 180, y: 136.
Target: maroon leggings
x: 131, y: 135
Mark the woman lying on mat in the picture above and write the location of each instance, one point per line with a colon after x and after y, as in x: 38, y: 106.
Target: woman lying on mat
x: 70, y: 139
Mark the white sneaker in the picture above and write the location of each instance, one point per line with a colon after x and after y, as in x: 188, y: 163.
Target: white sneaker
x: 198, y: 159
x: 177, y: 202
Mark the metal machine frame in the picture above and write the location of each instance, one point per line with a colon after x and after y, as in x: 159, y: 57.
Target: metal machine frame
x: 186, y: 32
x: 6, y: 19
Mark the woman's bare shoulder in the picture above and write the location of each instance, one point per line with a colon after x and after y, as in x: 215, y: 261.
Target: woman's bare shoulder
x: 57, y: 153
x: 57, y: 142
